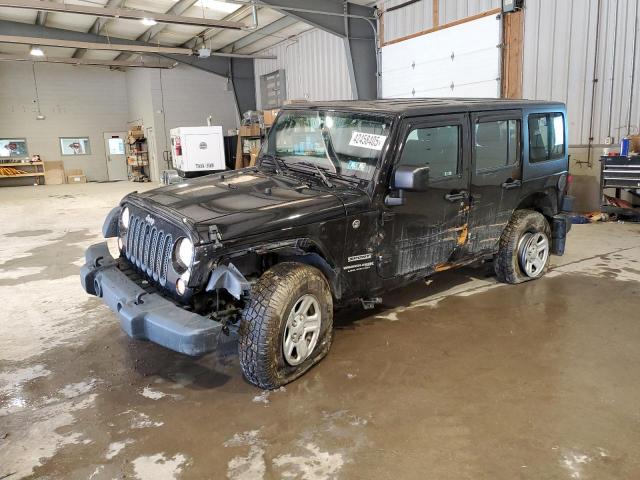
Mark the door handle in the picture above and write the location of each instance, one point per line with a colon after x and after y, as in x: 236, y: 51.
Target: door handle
x: 455, y: 197
x: 512, y: 184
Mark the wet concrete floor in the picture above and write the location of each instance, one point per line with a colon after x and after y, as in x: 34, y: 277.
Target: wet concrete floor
x: 456, y: 377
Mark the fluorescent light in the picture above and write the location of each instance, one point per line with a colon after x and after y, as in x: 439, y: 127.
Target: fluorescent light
x: 218, y: 6
x: 36, y: 52
x: 149, y: 22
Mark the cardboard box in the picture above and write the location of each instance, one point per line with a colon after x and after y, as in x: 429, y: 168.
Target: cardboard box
x: 253, y: 155
x: 635, y: 143
x: 252, y: 144
x: 270, y: 116
x: 76, y: 179
x: 76, y: 175
x: 252, y: 130
x: 54, y: 173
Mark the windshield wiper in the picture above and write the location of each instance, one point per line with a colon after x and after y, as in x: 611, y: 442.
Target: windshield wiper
x: 321, y: 174
x: 279, y: 163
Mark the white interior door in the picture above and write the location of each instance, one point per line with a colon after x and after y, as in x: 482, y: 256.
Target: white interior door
x: 116, y: 155
x: 458, y: 61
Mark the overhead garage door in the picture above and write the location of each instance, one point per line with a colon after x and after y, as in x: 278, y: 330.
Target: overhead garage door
x: 458, y: 61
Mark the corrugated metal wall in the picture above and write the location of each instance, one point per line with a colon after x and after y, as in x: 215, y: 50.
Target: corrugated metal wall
x: 451, y: 10
x: 406, y: 20
x: 315, y: 65
x: 560, y: 53
x: 419, y: 16
x: 559, y: 58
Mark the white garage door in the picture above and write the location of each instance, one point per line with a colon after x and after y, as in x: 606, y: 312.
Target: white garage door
x: 458, y: 61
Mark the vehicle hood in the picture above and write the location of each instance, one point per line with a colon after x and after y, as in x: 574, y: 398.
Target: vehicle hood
x: 244, y: 202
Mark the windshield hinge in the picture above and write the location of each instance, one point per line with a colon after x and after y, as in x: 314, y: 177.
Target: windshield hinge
x: 214, y: 236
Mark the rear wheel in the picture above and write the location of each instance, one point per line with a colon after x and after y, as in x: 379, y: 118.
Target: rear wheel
x: 524, y: 248
x: 287, y: 326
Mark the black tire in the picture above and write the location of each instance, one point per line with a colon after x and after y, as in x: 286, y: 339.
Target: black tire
x: 264, y: 319
x: 506, y: 263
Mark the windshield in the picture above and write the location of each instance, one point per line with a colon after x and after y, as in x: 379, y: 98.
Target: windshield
x: 345, y: 144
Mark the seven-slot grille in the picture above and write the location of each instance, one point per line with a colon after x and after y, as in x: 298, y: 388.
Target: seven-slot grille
x: 149, y: 249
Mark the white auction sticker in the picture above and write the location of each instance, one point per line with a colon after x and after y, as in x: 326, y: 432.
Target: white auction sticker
x: 367, y: 140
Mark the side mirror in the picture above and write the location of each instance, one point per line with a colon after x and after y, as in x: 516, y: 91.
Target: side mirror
x: 411, y: 178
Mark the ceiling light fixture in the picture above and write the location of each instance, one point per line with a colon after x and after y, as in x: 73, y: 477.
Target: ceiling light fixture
x: 36, y: 52
x: 149, y: 22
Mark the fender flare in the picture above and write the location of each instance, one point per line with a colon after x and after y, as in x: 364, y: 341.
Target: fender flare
x: 110, y: 225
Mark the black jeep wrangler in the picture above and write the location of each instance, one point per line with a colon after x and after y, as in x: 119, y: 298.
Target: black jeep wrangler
x: 348, y: 200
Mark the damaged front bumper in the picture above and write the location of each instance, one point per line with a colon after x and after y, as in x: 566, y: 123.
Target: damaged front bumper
x: 142, y: 315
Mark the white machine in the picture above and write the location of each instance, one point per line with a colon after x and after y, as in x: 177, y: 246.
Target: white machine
x: 197, y: 150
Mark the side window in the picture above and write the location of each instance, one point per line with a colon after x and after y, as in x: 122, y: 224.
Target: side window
x: 546, y: 137
x: 436, y: 147
x: 497, y: 144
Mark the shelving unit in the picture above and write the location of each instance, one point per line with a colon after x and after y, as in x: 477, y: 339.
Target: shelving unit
x: 33, y: 169
x: 137, y: 159
x: 249, y: 137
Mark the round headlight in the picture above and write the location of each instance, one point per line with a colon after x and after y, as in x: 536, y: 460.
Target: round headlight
x: 124, y: 217
x: 183, y: 254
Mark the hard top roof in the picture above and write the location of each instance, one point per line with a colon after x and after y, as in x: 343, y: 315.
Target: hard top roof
x: 423, y: 106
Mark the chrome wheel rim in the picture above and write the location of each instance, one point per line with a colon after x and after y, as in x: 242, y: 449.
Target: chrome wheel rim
x: 533, y: 253
x: 302, y: 330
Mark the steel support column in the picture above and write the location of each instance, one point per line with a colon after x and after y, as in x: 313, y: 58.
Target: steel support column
x: 357, y: 28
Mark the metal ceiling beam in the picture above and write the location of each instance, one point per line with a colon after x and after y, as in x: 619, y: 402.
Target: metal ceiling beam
x: 259, y: 34
x: 239, y: 70
x: 207, y: 34
x: 97, y: 26
x: 118, y: 47
x: 351, y: 22
x: 85, y: 61
x: 93, y: 45
x: 126, y: 13
x: 178, y: 9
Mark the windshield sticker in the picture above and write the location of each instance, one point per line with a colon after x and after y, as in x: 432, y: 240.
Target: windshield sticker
x: 358, y: 166
x: 367, y: 140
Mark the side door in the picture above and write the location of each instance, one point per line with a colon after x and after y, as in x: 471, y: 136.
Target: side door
x: 496, y: 177
x: 116, y: 155
x: 426, y: 230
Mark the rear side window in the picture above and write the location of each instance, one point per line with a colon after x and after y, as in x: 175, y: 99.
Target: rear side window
x: 436, y: 147
x: 497, y: 144
x: 546, y: 137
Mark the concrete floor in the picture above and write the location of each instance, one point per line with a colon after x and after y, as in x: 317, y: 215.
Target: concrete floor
x: 456, y: 378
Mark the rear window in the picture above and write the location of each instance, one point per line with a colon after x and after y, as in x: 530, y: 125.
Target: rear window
x: 546, y: 137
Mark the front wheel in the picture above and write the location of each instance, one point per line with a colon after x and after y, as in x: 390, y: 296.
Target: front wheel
x: 524, y: 248
x: 287, y: 326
